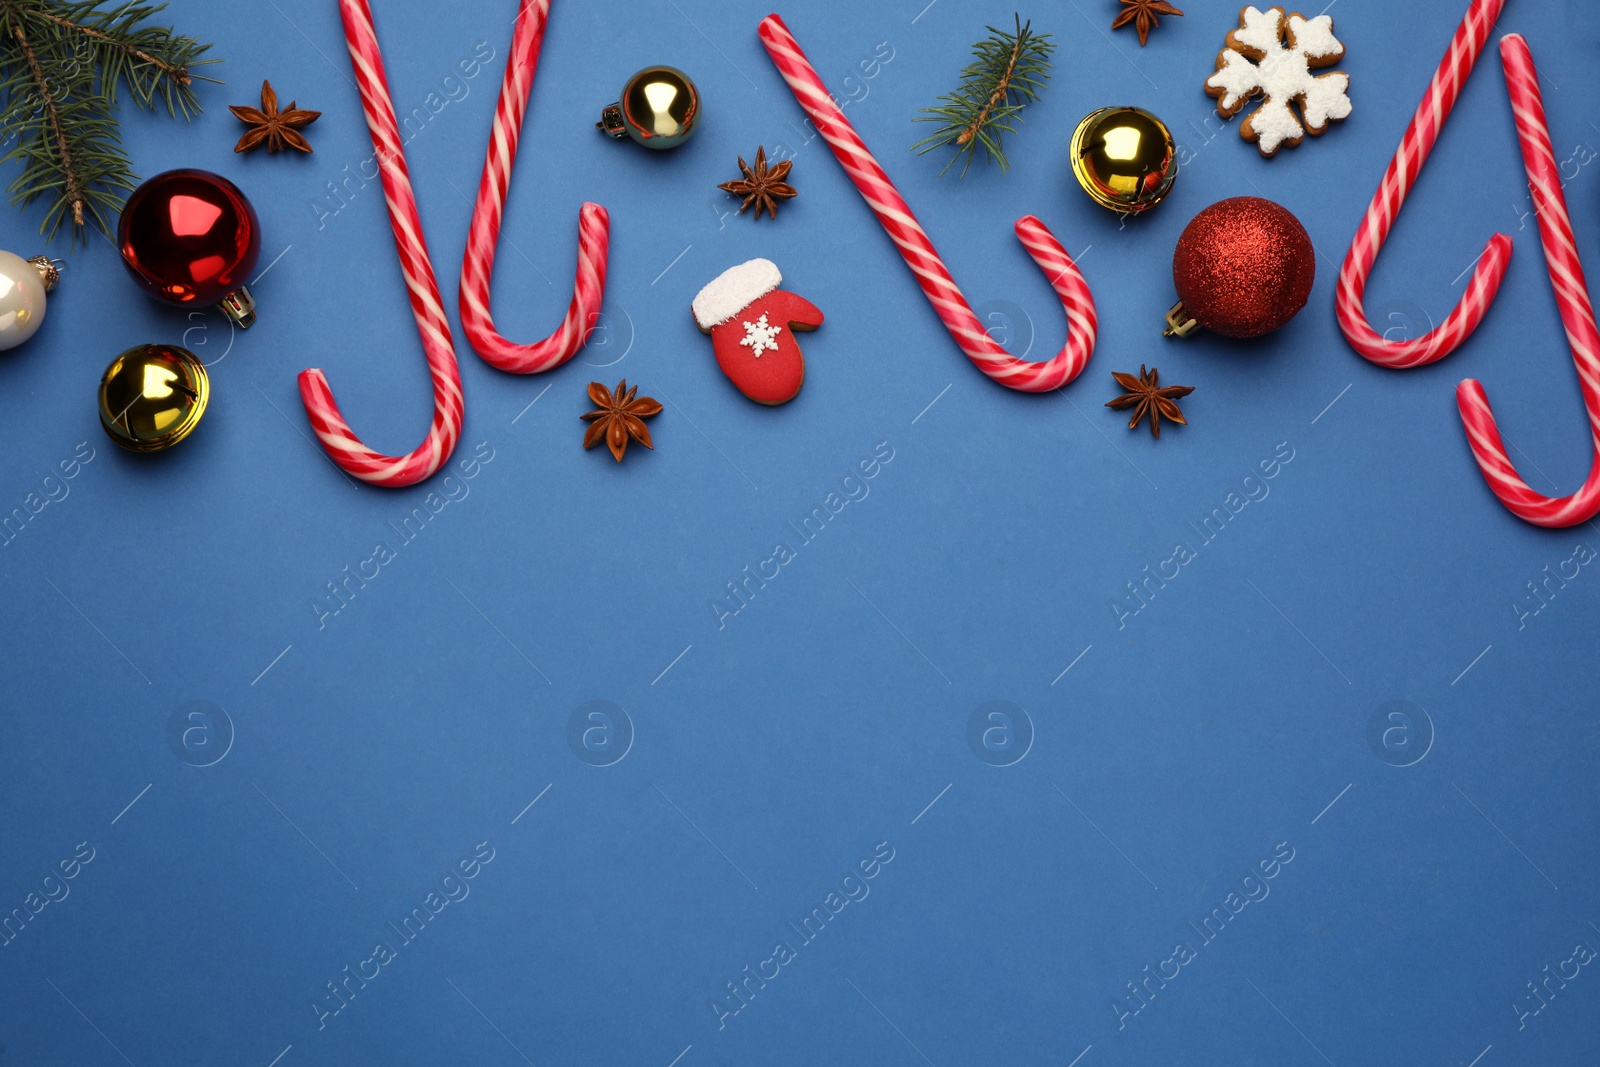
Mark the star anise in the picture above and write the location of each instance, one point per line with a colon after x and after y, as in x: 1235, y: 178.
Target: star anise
x: 278, y: 130
x: 619, y: 418
x: 1147, y: 397
x: 761, y: 186
x: 1142, y: 14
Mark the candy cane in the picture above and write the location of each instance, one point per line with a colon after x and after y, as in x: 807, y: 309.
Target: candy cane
x: 477, y: 269
x: 920, y: 255
x: 1385, y: 208
x: 335, y: 434
x: 1577, y: 314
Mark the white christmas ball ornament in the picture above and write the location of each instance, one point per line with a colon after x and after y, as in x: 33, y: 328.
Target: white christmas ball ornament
x: 23, y: 285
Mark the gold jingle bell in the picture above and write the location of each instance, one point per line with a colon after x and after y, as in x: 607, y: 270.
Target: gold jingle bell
x: 1125, y: 159
x: 152, y: 397
x: 660, y: 108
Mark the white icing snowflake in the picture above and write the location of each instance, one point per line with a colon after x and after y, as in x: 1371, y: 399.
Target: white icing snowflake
x: 1273, y: 54
x: 760, y: 337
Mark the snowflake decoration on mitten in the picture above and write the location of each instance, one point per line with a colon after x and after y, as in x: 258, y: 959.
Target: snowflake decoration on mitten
x: 1273, y: 54
x: 760, y: 337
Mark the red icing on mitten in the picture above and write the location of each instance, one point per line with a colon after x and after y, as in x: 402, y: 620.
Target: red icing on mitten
x: 752, y: 325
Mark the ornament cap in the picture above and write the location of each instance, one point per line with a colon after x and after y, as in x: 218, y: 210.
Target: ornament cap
x: 611, y: 122
x: 49, y: 270
x: 1180, y: 323
x: 659, y: 109
x: 240, y: 307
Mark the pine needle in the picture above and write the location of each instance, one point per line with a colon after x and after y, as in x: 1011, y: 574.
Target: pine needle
x: 62, y: 66
x: 1008, y: 72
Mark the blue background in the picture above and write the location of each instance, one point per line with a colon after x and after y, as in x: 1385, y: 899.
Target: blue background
x: 364, y: 753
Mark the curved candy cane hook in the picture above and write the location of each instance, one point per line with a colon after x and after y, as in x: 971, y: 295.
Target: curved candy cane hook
x: 918, y: 251
x: 1408, y: 162
x: 1577, y: 314
x: 337, y: 438
x: 477, y: 268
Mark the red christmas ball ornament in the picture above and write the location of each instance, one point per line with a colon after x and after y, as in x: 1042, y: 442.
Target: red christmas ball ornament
x: 1243, y: 267
x: 190, y: 238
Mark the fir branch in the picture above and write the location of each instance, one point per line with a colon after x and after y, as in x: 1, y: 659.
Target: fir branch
x: 62, y: 66
x: 72, y: 193
x: 1008, y: 72
x: 999, y: 94
x: 150, y: 60
x: 178, y: 73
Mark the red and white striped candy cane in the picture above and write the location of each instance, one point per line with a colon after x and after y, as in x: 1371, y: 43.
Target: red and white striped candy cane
x: 477, y: 269
x: 1408, y: 162
x: 337, y: 438
x: 1572, y: 296
x: 920, y: 255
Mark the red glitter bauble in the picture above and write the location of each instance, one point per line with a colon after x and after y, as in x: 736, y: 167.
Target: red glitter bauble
x: 189, y: 237
x: 1244, y: 267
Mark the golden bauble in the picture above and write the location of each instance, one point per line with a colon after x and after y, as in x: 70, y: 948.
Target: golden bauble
x: 152, y: 397
x: 1125, y: 159
x: 660, y: 108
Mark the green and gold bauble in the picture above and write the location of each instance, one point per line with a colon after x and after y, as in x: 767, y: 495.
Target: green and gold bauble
x: 660, y: 108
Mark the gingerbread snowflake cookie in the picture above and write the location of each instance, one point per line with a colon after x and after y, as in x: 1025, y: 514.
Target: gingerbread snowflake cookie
x: 1273, y: 55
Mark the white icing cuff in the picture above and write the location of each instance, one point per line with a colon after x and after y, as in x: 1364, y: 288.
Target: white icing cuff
x: 734, y: 290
